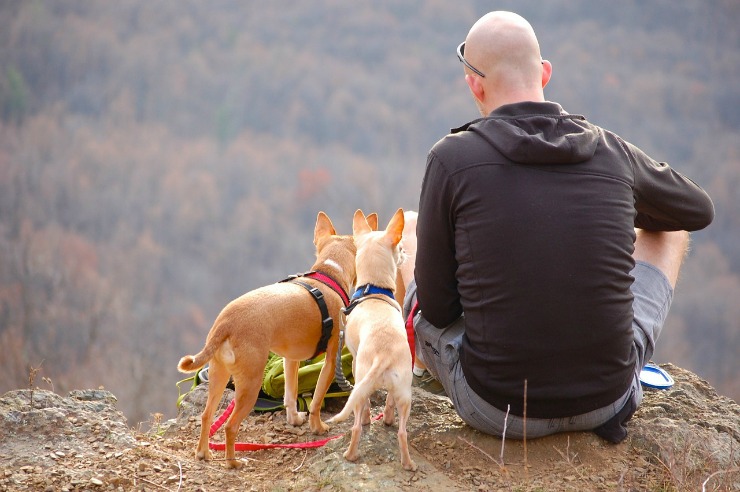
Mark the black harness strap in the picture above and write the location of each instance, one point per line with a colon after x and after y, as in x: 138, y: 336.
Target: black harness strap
x: 362, y: 293
x: 327, y: 324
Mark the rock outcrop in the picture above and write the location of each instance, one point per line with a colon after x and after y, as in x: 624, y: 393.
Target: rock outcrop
x: 684, y: 438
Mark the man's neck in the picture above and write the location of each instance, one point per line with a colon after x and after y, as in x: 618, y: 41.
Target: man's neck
x: 496, y: 103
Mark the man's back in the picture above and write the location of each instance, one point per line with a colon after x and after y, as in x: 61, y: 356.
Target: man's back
x: 541, y: 206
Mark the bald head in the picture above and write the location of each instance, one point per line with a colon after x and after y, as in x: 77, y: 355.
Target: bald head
x: 504, y: 47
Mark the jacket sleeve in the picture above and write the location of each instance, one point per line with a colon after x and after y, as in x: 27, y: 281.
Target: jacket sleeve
x: 436, y: 265
x: 666, y: 200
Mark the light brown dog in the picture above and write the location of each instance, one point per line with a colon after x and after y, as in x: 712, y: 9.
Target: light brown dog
x: 375, y: 335
x: 408, y: 246
x: 283, y: 318
x: 406, y: 269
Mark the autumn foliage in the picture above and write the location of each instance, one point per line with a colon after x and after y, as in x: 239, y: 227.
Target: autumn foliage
x: 159, y: 159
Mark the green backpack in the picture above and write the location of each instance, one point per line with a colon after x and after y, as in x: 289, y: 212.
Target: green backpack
x: 273, y: 382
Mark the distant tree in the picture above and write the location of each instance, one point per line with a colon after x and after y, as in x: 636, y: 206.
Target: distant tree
x: 13, y: 96
x: 157, y: 160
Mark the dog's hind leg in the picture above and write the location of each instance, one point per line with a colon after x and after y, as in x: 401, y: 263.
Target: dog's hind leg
x: 389, y: 410
x: 247, y: 382
x: 404, y: 410
x: 353, y: 452
x: 366, y: 417
x: 356, y: 403
x: 218, y: 378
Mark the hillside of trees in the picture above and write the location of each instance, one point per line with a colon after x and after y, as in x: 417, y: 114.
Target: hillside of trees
x: 158, y: 159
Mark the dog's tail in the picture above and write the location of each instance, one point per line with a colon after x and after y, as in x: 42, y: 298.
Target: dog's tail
x: 191, y: 363
x: 360, y: 393
x: 188, y: 363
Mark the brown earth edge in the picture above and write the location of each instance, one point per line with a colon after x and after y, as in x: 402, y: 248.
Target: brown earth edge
x: 683, y: 438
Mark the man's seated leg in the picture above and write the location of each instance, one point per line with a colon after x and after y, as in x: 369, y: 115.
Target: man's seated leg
x: 664, y: 250
x: 658, y: 258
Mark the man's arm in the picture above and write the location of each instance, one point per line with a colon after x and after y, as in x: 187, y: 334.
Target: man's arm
x: 436, y: 265
x: 665, y: 199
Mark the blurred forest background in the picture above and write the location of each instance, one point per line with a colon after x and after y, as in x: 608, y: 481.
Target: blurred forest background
x: 158, y: 159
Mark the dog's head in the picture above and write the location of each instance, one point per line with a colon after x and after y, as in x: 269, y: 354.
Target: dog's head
x: 376, y: 250
x: 335, y: 250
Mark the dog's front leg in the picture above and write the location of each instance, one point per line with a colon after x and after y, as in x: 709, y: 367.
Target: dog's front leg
x: 322, y: 386
x: 290, y: 398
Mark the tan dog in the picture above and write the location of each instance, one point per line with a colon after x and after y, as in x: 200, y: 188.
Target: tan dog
x: 375, y: 335
x: 406, y: 269
x: 408, y: 246
x: 283, y: 318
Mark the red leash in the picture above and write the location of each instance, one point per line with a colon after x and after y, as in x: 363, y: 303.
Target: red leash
x: 248, y: 446
x: 410, y: 331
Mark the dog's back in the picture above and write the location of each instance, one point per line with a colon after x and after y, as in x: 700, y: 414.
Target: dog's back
x: 385, y: 349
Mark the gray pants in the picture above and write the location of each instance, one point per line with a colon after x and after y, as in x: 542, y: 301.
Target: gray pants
x: 440, y: 350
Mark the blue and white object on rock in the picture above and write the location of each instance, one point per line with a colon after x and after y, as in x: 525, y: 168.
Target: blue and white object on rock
x: 653, y: 376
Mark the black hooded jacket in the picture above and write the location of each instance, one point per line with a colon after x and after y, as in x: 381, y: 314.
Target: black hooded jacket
x: 526, y: 225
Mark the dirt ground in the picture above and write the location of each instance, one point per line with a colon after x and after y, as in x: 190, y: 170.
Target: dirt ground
x: 684, y: 438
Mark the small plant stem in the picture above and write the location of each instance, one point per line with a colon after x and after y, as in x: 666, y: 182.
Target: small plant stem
x: 524, y: 423
x: 503, y: 435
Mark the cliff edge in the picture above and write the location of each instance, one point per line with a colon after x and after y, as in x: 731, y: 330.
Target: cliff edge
x: 683, y: 438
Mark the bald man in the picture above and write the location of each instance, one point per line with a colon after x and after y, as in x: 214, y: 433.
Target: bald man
x: 548, y: 251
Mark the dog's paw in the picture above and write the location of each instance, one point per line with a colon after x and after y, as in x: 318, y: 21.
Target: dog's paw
x: 351, y: 456
x: 234, y: 464
x: 296, y: 418
x: 410, y: 465
x: 318, y: 427
x: 203, y: 455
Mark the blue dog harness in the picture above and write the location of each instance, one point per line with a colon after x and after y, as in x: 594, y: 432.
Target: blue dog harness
x: 361, y: 294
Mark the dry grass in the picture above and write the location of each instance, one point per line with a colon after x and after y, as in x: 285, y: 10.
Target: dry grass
x: 687, y: 465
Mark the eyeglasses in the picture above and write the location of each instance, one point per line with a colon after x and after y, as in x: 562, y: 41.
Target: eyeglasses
x: 460, y: 53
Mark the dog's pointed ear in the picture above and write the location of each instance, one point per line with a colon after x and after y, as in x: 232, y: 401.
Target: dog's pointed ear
x: 372, y: 221
x: 359, y: 224
x: 394, y: 231
x: 324, y: 227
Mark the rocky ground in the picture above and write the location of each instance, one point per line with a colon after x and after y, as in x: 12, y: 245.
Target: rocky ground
x: 684, y: 438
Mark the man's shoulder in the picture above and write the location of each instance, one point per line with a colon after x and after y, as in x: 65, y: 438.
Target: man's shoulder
x: 453, y: 149
x: 457, y: 137
x: 465, y: 127
x: 464, y: 146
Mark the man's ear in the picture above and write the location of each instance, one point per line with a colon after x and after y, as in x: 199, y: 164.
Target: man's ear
x: 546, y: 72
x: 476, y: 87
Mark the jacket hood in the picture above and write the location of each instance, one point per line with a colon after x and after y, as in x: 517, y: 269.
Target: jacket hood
x: 537, y: 133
